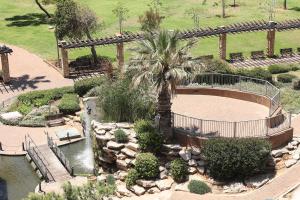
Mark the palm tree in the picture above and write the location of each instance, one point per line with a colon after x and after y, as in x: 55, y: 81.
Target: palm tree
x: 163, y: 62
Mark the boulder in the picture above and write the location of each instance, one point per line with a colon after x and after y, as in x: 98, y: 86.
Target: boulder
x: 121, y: 189
x: 101, y: 178
x: 114, y: 145
x: 197, y: 157
x: 122, y: 175
x: 296, y: 155
x: 185, y: 154
x: 121, y: 156
x: 138, y: 190
x: 257, y: 181
x: 279, y: 152
x: 163, y: 174
x: 153, y: 190
x: 295, y: 142
x: 100, y: 131
x: 196, y: 151
x: 172, y: 147
x: 291, y: 147
x: 201, y: 163
x: 121, y: 164
x: 290, y: 163
x: 145, y: 183
x: 201, y: 170
x: 192, y: 170
x: 104, y: 138
x: 129, y: 152
x: 124, y: 125
x: 128, y: 161
x: 161, y: 168
x: 192, y: 163
x: 132, y: 146
x: 182, y: 187
x: 104, y: 126
x: 165, y: 184
x: 234, y: 188
x: 12, y: 116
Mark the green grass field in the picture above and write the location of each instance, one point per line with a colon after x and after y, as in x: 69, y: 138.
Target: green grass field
x: 23, y: 24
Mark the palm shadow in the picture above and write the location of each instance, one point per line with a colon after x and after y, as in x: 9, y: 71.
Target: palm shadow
x: 295, y: 9
x: 3, y: 190
x: 29, y: 19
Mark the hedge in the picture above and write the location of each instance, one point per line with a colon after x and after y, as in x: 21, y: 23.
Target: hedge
x: 285, y: 78
x: 277, y: 69
x: 69, y: 104
x: 230, y: 158
x: 81, y: 87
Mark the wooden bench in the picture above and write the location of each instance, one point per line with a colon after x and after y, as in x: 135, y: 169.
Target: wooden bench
x: 258, y: 55
x: 236, y: 57
x: 287, y: 52
x: 55, y: 120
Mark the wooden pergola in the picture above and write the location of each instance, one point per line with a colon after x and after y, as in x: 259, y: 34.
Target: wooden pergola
x: 4, y: 51
x: 254, y: 26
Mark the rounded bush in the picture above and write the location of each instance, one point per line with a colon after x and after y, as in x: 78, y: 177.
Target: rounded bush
x: 285, y: 78
x: 198, y: 187
x: 120, y: 136
x: 230, y: 158
x: 277, y: 69
x: 131, y: 178
x: 257, y: 72
x: 142, y: 126
x: 81, y: 87
x: 69, y: 104
x: 179, y: 170
x: 147, y: 166
x: 150, y: 141
x: 110, y: 180
x: 296, y: 84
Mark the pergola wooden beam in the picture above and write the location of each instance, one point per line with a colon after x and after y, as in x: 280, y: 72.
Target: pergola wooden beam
x: 4, y: 51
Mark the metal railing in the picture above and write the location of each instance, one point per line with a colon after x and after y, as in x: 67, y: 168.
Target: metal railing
x: 239, y: 83
x: 60, y: 155
x: 38, y: 158
x: 242, y: 129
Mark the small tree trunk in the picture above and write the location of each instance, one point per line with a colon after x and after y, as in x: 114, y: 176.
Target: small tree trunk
x: 223, y: 9
x: 93, y: 50
x: 42, y: 8
x: 164, y: 110
x: 285, y: 4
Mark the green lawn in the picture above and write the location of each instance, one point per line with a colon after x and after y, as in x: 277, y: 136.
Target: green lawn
x: 22, y: 24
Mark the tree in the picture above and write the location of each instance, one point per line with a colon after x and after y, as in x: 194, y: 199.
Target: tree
x: 121, y: 13
x: 151, y: 20
x: 194, y: 13
x: 162, y: 62
x: 223, y: 9
x: 44, y: 2
x: 75, y: 21
x: 284, y: 4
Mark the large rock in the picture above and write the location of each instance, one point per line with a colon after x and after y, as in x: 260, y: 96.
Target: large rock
x: 12, y: 116
x: 279, y: 152
x: 132, y: 146
x: 104, y: 126
x: 201, y: 170
x: 163, y: 174
x: 145, y: 183
x: 234, y: 188
x: 129, y: 152
x: 185, y: 154
x: 138, y: 190
x: 104, y: 138
x: 290, y: 163
x: 121, y: 156
x: 121, y: 164
x: 201, y: 163
x: 192, y: 163
x: 100, y: 131
x: 296, y: 155
x: 257, y: 181
x: 165, y: 184
x: 196, y: 151
x: 124, y: 125
x: 121, y: 189
x: 106, y: 159
x: 153, y: 190
x: 192, y: 170
x: 114, y: 145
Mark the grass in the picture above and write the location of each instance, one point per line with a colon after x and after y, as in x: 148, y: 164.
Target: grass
x: 23, y: 24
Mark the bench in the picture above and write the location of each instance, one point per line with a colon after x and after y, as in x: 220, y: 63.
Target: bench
x: 258, y: 55
x: 298, y: 50
x: 55, y: 120
x: 236, y: 57
x: 287, y: 52
x: 206, y: 57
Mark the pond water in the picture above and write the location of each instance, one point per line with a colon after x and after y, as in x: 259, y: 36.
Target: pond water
x: 17, y: 178
x: 80, y: 154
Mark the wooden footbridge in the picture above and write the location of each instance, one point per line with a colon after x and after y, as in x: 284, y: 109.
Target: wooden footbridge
x: 49, y: 160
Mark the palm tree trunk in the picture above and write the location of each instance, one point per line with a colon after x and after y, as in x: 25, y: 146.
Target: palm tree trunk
x: 93, y: 50
x: 42, y: 8
x: 164, y: 110
x: 223, y: 9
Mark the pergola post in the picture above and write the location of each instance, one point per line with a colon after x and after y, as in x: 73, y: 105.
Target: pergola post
x: 222, y: 45
x: 5, y: 68
x: 65, y: 62
x: 120, y: 55
x: 271, y: 40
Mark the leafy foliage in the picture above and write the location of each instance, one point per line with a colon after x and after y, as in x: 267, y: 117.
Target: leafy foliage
x: 121, y: 12
x: 179, y: 170
x: 150, y: 141
x: 120, y: 136
x: 296, y: 84
x: 198, y: 187
x: 230, y: 158
x: 147, y: 166
x: 285, y: 78
x: 151, y: 20
x: 257, y: 72
x: 131, y: 178
x: 142, y: 125
x: 81, y: 87
x: 277, y: 69
x: 48, y: 196
x: 69, y: 104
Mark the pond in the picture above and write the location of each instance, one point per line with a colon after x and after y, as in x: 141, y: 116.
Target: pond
x: 17, y: 178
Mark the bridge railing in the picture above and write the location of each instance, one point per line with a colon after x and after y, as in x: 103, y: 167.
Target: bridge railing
x: 239, y: 83
x: 38, y: 158
x: 60, y: 155
x: 241, y: 129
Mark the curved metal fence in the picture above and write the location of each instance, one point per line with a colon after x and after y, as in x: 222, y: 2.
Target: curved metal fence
x: 238, y: 83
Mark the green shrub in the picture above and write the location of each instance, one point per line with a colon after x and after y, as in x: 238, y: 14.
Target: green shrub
x: 198, y: 187
x: 35, y: 121
x: 285, y: 78
x: 257, y: 72
x: 120, y: 136
x: 179, y: 170
x: 69, y: 104
x: 296, y: 84
x: 147, y: 166
x: 24, y: 108
x: 230, y: 158
x: 277, y: 69
x: 131, y: 178
x: 110, y: 180
x: 142, y: 125
x: 81, y: 87
x: 150, y: 141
